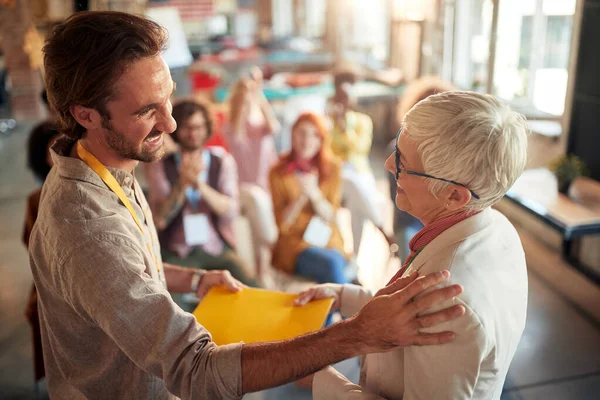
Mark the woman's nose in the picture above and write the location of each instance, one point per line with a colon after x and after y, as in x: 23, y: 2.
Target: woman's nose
x: 390, y: 164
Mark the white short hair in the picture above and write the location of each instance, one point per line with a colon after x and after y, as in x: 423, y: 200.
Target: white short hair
x: 471, y: 138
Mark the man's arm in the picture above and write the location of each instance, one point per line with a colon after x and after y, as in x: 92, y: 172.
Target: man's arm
x: 389, y: 320
x: 431, y: 372
x: 179, y: 279
x: 272, y: 364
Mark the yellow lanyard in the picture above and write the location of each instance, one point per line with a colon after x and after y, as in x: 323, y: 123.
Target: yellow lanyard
x: 113, y: 185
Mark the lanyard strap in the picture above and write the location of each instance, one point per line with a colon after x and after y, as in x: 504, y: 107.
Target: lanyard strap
x: 113, y: 185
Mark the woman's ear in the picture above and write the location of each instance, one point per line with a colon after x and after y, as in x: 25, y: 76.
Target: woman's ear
x: 457, y: 197
x: 89, y: 118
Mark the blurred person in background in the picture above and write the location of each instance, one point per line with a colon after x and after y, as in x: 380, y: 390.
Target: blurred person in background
x: 351, y: 139
x: 249, y: 136
x: 306, y: 190
x: 194, y: 190
x: 40, y: 162
x: 405, y: 225
x: 456, y: 155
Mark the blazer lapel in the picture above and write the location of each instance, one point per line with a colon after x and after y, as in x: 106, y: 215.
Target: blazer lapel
x: 457, y: 233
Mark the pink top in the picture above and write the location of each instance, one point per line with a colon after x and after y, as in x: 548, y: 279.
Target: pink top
x: 254, y: 153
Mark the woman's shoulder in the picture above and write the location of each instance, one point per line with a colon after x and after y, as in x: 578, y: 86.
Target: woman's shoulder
x: 278, y: 168
x: 335, y: 166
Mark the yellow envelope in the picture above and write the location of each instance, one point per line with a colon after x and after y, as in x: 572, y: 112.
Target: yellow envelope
x: 257, y: 315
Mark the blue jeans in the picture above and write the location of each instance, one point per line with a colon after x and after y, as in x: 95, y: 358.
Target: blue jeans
x: 323, y: 266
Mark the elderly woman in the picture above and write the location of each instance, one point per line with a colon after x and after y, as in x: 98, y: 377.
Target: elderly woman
x: 457, y: 154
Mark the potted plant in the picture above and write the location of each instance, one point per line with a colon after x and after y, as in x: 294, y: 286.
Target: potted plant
x: 567, y: 168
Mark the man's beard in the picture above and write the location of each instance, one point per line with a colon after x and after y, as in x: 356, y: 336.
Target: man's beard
x: 118, y: 142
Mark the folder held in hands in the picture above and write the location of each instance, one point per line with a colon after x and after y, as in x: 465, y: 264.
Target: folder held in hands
x: 257, y: 315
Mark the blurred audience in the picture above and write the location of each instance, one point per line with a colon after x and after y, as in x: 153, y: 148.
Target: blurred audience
x: 306, y: 191
x: 42, y: 137
x: 351, y: 138
x: 249, y: 137
x: 194, y: 198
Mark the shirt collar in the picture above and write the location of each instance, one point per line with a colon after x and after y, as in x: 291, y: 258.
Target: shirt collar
x: 74, y: 168
x: 434, y: 229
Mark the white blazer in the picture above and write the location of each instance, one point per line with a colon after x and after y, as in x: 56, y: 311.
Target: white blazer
x: 484, y: 254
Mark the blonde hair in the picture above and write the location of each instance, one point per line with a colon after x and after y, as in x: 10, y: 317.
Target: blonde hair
x: 471, y: 138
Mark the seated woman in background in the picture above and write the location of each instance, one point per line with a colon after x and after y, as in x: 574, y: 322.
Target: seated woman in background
x: 351, y: 139
x: 456, y: 155
x: 249, y: 136
x: 42, y: 137
x: 306, y: 193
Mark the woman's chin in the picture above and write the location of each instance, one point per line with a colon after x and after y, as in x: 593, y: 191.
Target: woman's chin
x: 400, y: 200
x: 400, y: 204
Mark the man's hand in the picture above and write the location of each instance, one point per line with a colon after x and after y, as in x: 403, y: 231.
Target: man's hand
x: 391, y: 319
x: 325, y: 291
x: 218, y: 278
x: 191, y: 166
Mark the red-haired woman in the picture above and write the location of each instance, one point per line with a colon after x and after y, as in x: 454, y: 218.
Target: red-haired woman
x: 306, y: 191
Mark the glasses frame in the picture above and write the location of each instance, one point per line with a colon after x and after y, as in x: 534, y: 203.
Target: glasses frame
x: 409, y: 172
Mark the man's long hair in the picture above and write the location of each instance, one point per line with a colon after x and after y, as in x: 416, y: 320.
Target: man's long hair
x: 86, y: 54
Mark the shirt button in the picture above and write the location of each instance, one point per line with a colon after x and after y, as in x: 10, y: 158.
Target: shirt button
x: 127, y: 180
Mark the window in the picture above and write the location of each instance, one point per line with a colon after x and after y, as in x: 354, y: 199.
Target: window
x: 532, y: 50
x: 369, y: 32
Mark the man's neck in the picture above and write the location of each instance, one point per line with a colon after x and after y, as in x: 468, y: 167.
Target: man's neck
x: 106, y: 155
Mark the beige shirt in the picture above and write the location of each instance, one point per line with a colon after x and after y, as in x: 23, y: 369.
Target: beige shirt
x: 109, y: 327
x: 484, y: 255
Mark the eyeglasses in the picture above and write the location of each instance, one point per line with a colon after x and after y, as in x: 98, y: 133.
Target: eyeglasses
x: 409, y: 172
